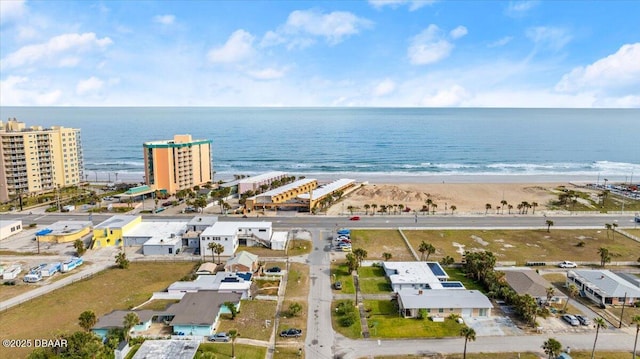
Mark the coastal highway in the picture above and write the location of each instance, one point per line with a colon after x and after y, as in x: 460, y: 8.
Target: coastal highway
x: 378, y: 221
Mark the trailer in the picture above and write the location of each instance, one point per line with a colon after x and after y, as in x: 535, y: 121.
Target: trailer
x: 51, y: 269
x: 12, y: 272
x: 71, y: 264
x: 33, y: 276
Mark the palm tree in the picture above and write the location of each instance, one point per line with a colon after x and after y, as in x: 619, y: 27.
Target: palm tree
x: 599, y: 322
x: 429, y: 202
x: 453, y: 208
x: 487, y: 207
x: 219, y: 249
x: 510, y: 207
x: 130, y: 320
x: 550, y: 293
x: 233, y: 334
x: 121, y: 260
x: 613, y: 230
x: 366, y: 208
x: 433, y: 208
x: 423, y: 247
x: 605, y: 256
x: 387, y: 256
x: 350, y: 209
x: 430, y: 250
x: 79, y: 246
x: 212, y: 246
x: 232, y: 309
x: 608, y: 227
x: 636, y: 320
x: 504, y: 204
x: 373, y: 208
x: 469, y: 335
x: 360, y: 255
x: 573, y: 292
x: 87, y: 320
x: 549, y: 223
x: 400, y: 208
x: 534, y: 205
x: 552, y: 347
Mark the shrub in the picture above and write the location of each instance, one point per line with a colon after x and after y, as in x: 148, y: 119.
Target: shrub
x: 580, y: 244
x: 348, y: 320
x: 422, y: 314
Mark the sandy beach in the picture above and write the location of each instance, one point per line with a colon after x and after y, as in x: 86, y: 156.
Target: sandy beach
x: 468, y: 198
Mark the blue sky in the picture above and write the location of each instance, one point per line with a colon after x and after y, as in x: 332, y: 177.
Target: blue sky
x: 320, y: 53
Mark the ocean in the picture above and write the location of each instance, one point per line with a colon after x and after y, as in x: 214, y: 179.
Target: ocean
x: 415, y: 144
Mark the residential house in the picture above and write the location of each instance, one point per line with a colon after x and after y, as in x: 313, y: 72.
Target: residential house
x: 168, y: 349
x: 232, y: 234
x: 417, y: 275
x: 604, y: 287
x: 115, y: 320
x: 527, y: 281
x: 198, y: 313
x: 442, y: 303
x: 221, y: 282
x: 243, y: 261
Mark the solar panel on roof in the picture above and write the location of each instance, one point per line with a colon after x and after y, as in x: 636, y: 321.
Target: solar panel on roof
x: 436, y: 269
x: 452, y: 285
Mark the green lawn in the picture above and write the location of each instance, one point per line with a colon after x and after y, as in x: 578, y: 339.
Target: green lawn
x: 158, y: 304
x: 223, y: 350
x: 456, y: 274
x: 341, y: 273
x: 377, y: 242
x: 298, y: 247
x: 250, y: 321
x: 298, y: 282
x: 388, y: 324
x: 353, y: 331
x: 289, y: 352
x: 106, y: 291
x: 373, y: 280
x: 529, y: 245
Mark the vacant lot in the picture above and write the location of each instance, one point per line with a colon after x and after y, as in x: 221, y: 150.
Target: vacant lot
x: 471, y: 356
x: 386, y: 323
x: 251, y: 320
x: 528, y: 245
x: 261, y: 251
x: 354, y: 331
x: 109, y: 290
x: 377, y: 242
x: 297, y: 247
x: 297, y: 282
x: 158, y: 304
x: 373, y: 281
x: 340, y: 272
x: 223, y: 350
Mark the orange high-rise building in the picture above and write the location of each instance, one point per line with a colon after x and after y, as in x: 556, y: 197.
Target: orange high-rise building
x: 177, y: 164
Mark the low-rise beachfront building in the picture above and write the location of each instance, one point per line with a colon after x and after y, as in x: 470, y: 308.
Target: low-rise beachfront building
x: 285, y: 196
x: 177, y: 164
x: 528, y: 281
x: 156, y: 237
x: 243, y: 261
x: 200, y: 223
x: 198, y: 313
x: 604, y: 287
x: 417, y: 275
x: 111, y: 232
x: 64, y: 231
x: 220, y: 282
x: 167, y: 349
x: 9, y: 228
x: 442, y: 303
x: 254, y: 183
x: 232, y: 234
x: 115, y: 320
x: 279, y: 240
x: 312, y: 198
x: 135, y: 194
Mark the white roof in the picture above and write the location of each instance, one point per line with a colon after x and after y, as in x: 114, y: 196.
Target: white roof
x: 158, y: 229
x: 117, y: 221
x: 10, y: 223
x: 212, y: 282
x: 203, y: 220
x: 413, y: 273
x: 169, y: 349
x: 453, y: 298
x: 286, y: 188
x: 67, y: 227
x: 280, y: 236
x: 231, y: 228
x: 606, y: 283
x: 262, y: 177
x: 328, y: 188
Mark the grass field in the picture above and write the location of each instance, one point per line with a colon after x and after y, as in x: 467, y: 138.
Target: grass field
x: 373, y: 281
x: 10, y: 291
x: 456, y: 274
x: 158, y: 304
x: 377, y: 242
x: 289, y: 352
x: 388, y: 324
x: 629, y: 313
x: 341, y: 272
x: 528, y: 245
x: 261, y: 251
x: 470, y: 356
x: 109, y: 290
x: 298, y: 282
x: 297, y: 247
x: 250, y: 321
x: 223, y: 350
x: 353, y: 331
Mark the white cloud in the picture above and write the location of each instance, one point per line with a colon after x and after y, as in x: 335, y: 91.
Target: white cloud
x: 618, y: 71
x: 458, y: 32
x: 385, y: 87
x: 413, y: 4
x: 92, y: 84
x: 164, y: 19
x: 266, y: 74
x: 63, y: 45
x: 500, y: 42
x: 238, y: 47
x: 303, y: 25
x: 429, y: 46
x: 19, y: 91
x: 520, y: 8
x: 450, y: 97
x: 554, y: 38
x: 12, y: 10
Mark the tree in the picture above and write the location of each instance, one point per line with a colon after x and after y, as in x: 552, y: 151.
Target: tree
x: 469, y: 335
x: 550, y: 293
x: 453, y: 208
x: 352, y: 262
x: 212, y: 247
x: 430, y: 250
x: 487, y: 207
x: 360, y: 255
x: 504, y: 204
x: 636, y: 320
x: 422, y: 248
x: 534, y: 205
x: 605, y: 256
x: 121, y: 260
x: 232, y: 309
x: 130, y: 320
x: 549, y: 223
x: 295, y: 309
x: 87, y: 320
x: 599, y: 322
x: 79, y: 246
x: 613, y: 230
x: 433, y: 208
x: 510, y: 207
x: 373, y: 208
x: 447, y: 261
x: 387, y: 256
x: 552, y: 348
x: 233, y: 334
x: 608, y: 227
x: 429, y: 202
x: 366, y: 208
x: 573, y: 292
x: 216, y: 248
x: 199, y: 203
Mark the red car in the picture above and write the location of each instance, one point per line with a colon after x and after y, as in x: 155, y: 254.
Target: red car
x: 354, y: 218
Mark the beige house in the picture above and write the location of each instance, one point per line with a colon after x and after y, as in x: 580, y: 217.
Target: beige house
x: 243, y: 261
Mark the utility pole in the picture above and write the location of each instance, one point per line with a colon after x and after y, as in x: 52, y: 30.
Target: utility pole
x: 622, y: 312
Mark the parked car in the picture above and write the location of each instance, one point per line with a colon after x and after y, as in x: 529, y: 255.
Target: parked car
x: 274, y: 270
x: 571, y: 319
x: 337, y: 285
x: 219, y: 337
x: 346, y: 249
x: 583, y: 320
x: 567, y: 264
x: 167, y: 204
x: 190, y: 210
x: 291, y: 333
x: 354, y: 218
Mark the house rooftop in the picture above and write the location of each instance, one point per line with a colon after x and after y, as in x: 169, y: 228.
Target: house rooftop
x: 115, y: 319
x: 231, y: 228
x: 527, y: 281
x: 167, y: 349
x: 262, y: 177
x: 286, y: 188
x: 606, y: 283
x: 244, y: 258
x: 219, y: 281
x: 455, y: 298
x: 67, y: 227
x: 117, y: 221
x: 200, y: 308
x: 158, y: 231
x: 328, y: 188
x: 203, y: 221
x: 430, y: 273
